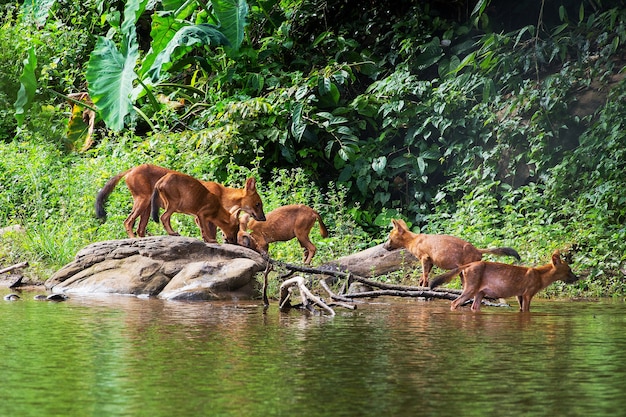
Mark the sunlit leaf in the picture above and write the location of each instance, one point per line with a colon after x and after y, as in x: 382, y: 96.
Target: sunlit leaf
x: 28, y: 86
x: 379, y: 164
x: 39, y: 9
x: 297, y: 123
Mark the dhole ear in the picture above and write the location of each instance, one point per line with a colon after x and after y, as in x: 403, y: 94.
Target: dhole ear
x: 399, y: 225
x: 556, y: 258
x: 251, y: 185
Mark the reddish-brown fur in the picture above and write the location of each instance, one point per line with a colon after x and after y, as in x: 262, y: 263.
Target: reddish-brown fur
x: 181, y: 193
x: 497, y: 280
x: 141, y: 180
x: 281, y: 225
x: 443, y: 251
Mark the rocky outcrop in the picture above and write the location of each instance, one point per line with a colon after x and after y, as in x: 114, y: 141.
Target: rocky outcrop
x: 169, y: 267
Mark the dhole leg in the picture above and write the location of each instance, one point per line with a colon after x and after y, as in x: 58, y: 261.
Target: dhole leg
x: 525, y: 304
x: 212, y: 231
x: 309, y: 250
x: 204, y: 229
x: 129, y: 223
x: 427, y: 266
x: 165, y: 220
x: 478, y: 298
x: 460, y: 300
x: 144, y: 217
x: 140, y: 209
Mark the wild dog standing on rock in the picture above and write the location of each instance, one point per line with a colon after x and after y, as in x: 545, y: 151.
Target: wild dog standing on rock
x: 281, y: 225
x: 443, y: 251
x: 141, y: 180
x: 497, y: 280
x: 181, y: 193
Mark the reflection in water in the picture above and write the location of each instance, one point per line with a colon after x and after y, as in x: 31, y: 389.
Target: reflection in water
x: 119, y: 355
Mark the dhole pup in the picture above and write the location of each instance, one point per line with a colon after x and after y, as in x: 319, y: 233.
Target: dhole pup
x: 181, y: 193
x: 443, y: 251
x: 497, y: 280
x: 281, y: 225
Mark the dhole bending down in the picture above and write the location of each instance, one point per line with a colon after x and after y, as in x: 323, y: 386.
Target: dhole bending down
x: 141, y: 180
x: 497, y: 280
x: 181, y: 193
x: 443, y: 251
x: 281, y: 225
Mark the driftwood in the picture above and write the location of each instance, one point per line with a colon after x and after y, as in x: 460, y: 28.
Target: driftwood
x: 13, y: 267
x: 347, y: 300
x: 307, y: 297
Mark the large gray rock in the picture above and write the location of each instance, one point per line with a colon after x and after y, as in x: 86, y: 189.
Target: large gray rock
x: 171, y: 267
x: 374, y: 261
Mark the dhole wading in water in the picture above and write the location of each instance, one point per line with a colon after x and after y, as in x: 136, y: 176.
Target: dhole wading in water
x: 497, y: 280
x: 181, y: 193
x: 281, y: 225
x: 443, y: 251
x: 141, y: 179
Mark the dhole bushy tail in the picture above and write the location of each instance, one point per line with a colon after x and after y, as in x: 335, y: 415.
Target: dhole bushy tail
x: 104, y: 192
x: 445, y: 277
x: 155, y: 204
x: 505, y: 251
x: 323, y: 229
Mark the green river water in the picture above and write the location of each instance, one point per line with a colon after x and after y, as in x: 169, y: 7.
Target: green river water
x: 123, y: 356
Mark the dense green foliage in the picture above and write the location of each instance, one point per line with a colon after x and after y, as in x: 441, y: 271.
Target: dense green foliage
x: 449, y: 116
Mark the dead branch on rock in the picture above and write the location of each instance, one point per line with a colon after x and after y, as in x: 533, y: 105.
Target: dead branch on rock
x: 13, y: 267
x: 402, y: 293
x: 307, y: 297
x: 351, y: 277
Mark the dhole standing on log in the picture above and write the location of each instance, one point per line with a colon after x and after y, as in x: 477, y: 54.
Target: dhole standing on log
x: 281, y: 225
x: 443, y: 251
x: 140, y: 181
x: 181, y: 193
x: 497, y: 280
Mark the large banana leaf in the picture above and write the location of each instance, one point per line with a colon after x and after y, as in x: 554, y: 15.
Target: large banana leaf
x: 183, y: 40
x: 165, y: 25
x: 111, y: 73
x: 232, y: 15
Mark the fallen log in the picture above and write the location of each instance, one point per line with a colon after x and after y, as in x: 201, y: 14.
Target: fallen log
x: 352, y: 277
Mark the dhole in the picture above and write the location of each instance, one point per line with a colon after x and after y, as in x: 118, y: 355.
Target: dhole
x: 141, y: 180
x: 281, y: 225
x: 181, y: 193
x: 443, y: 251
x: 497, y: 280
